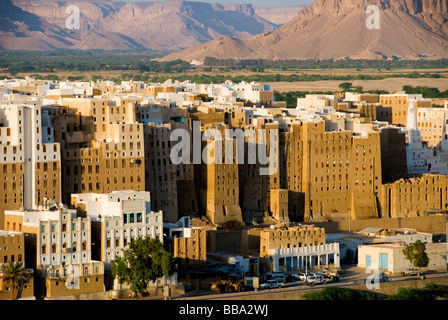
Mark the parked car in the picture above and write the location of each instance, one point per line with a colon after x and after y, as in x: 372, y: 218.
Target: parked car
x: 410, y: 272
x: 318, y: 273
x: 316, y: 279
x: 332, y: 274
x: 294, y: 276
x: 280, y: 277
x: 271, y: 284
x: 299, y: 276
x: 382, y: 277
x: 303, y: 275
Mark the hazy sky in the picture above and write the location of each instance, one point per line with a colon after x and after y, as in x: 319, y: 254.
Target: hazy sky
x: 255, y: 3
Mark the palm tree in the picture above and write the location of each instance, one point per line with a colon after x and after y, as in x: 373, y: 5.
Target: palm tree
x: 16, y: 272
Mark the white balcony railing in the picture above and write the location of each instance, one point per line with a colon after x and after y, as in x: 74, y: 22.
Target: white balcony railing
x: 319, y: 249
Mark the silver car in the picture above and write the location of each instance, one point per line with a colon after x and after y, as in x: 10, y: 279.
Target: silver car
x: 271, y: 284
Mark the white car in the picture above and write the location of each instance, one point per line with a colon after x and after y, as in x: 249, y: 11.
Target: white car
x: 302, y: 276
x: 318, y: 273
x: 295, y: 276
x: 317, y: 279
x: 271, y: 284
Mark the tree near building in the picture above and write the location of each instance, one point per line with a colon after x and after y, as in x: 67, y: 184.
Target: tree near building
x: 145, y: 260
x: 18, y: 275
x: 416, y: 254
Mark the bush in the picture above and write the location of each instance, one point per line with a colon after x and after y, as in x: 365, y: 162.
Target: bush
x: 336, y: 293
x: 430, y: 292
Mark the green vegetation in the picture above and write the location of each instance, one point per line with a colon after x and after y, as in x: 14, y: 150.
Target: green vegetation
x: 88, y: 60
x: 336, y: 293
x: 395, y: 63
x: 220, y: 77
x: 145, y: 260
x: 430, y: 292
x: 416, y: 254
x: 17, y: 274
x: 345, y: 85
x: 426, y: 91
x: 141, y: 65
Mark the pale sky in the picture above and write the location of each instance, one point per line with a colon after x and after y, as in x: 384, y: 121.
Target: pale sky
x: 255, y: 3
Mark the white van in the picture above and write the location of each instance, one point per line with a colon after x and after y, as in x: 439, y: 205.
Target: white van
x: 280, y: 277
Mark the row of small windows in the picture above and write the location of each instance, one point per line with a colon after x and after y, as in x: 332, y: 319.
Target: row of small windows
x: 64, y: 246
x: 64, y: 227
x: 12, y: 258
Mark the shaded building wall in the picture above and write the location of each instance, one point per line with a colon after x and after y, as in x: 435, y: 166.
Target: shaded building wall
x: 393, y: 154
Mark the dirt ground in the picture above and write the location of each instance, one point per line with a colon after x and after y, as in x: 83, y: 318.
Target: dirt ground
x: 390, y: 85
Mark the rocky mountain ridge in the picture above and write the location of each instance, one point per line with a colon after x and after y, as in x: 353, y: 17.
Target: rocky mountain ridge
x: 104, y: 24
x: 337, y: 29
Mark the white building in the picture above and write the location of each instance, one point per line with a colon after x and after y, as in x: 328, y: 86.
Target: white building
x: 349, y: 242
x: 27, y: 142
x: 389, y: 257
x: 298, y: 257
x: 62, y: 238
x: 316, y: 101
x: 421, y: 158
x: 118, y: 218
x: 403, y: 236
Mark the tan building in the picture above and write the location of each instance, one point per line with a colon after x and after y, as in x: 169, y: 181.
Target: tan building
x: 398, y: 104
x: 291, y: 168
x: 363, y: 109
x: 81, y: 281
x: 393, y: 154
x: 219, y: 187
x: 291, y: 248
x: 430, y: 124
x: 154, y: 90
x: 260, y: 170
x: 366, y: 155
x: 279, y: 204
x: 109, y: 157
x: 326, y: 178
x: 171, y: 185
x: 12, y: 244
x: 361, y: 97
x: 13, y: 249
x: 188, y: 243
x: 328, y: 174
x: 412, y: 197
x: 280, y: 238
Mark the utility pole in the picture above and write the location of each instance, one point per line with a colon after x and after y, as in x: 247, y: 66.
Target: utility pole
x: 306, y: 254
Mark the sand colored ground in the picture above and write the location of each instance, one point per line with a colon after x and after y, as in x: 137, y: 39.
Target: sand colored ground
x: 390, y: 85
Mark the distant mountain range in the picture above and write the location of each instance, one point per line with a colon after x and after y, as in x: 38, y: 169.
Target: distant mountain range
x: 337, y: 29
x: 104, y: 24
